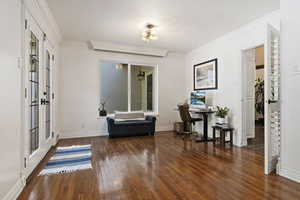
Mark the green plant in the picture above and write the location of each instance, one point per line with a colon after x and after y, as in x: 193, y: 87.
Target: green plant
x: 260, y: 96
x: 102, y: 104
x: 222, y: 112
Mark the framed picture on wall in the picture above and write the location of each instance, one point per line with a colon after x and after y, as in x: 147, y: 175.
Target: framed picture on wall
x: 206, y: 75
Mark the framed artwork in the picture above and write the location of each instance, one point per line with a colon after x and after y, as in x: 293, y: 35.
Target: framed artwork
x: 206, y: 75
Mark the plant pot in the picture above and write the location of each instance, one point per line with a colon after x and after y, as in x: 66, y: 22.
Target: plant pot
x: 102, y: 113
x: 221, y: 120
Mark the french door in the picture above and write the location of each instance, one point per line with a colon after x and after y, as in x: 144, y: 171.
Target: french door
x: 47, y: 92
x: 37, y: 82
x: 272, y: 100
x: 248, y: 101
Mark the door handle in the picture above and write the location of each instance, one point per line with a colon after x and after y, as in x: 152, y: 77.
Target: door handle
x: 271, y: 101
x: 44, y: 102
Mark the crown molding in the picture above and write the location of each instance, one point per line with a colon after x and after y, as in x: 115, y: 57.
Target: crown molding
x: 127, y: 49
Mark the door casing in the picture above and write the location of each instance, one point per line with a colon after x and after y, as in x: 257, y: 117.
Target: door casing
x: 31, y: 160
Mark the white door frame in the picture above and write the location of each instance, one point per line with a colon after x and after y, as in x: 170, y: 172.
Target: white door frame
x: 243, y: 75
x: 155, y: 81
x: 48, y: 47
x: 268, y: 165
x: 272, y: 101
x: 31, y: 160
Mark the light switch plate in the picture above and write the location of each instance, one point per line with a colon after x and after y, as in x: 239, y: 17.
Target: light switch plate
x: 296, y: 69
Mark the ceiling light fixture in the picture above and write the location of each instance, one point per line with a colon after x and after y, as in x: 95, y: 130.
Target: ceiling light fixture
x: 150, y: 32
x: 119, y: 66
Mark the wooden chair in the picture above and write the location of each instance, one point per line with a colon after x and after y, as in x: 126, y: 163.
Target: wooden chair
x: 187, y: 119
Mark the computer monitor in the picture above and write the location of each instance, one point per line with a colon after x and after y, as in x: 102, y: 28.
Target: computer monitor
x: 198, y: 98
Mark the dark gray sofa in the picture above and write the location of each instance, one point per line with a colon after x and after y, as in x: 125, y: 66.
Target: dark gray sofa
x: 131, y: 127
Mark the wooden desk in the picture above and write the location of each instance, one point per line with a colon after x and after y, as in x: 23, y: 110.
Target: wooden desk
x: 204, y: 114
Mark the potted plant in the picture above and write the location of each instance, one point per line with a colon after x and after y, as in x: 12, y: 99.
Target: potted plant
x: 102, y: 111
x: 260, y: 100
x: 221, y: 115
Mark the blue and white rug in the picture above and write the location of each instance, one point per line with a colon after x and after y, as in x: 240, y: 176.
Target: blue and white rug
x: 69, y: 159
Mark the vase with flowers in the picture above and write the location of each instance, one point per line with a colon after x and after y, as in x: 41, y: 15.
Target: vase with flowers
x: 102, y: 111
x: 221, y: 115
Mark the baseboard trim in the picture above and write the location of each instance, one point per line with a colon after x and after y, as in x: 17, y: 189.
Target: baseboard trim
x: 15, y: 191
x: 95, y: 133
x: 80, y: 134
x: 164, y: 128
x: 290, y: 174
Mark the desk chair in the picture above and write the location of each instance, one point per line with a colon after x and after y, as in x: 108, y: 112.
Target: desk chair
x: 187, y: 120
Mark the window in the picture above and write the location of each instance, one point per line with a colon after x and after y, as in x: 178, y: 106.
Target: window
x: 141, y: 88
x: 126, y: 87
x: 48, y: 91
x: 34, y: 93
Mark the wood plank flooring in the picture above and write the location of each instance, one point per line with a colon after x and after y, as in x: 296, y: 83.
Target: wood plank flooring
x: 162, y: 167
x: 257, y: 144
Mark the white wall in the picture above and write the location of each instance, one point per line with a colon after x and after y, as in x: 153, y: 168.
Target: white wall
x: 12, y: 89
x: 10, y: 104
x: 228, y: 50
x: 80, y: 86
x: 42, y: 16
x: 290, y: 64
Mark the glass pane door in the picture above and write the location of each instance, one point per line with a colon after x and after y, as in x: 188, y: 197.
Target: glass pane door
x: 35, y: 145
x: 141, y: 88
x: 47, y: 95
x: 34, y: 92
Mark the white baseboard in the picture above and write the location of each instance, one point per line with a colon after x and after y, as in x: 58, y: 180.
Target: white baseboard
x: 15, y: 191
x: 290, y: 174
x: 79, y: 134
x: 164, y: 128
x: 82, y: 133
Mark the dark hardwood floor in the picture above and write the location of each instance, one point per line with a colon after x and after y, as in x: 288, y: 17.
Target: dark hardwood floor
x: 257, y: 144
x: 162, y: 167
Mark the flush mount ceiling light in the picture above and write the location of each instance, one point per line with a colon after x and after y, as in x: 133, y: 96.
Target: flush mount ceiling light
x: 149, y: 32
x: 119, y: 66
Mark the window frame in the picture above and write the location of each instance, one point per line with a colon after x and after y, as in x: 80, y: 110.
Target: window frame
x: 155, y: 83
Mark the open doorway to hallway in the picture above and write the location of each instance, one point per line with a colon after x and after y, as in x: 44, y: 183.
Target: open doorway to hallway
x: 261, y: 113
x: 256, y: 142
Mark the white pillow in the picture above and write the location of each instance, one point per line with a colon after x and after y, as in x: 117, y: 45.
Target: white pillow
x: 133, y: 119
x: 126, y: 116
x: 125, y: 112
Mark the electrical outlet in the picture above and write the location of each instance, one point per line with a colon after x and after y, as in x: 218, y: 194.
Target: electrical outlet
x: 82, y: 125
x: 19, y: 63
x: 296, y: 69
x: 23, y: 180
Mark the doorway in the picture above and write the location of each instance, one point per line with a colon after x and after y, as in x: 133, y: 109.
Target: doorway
x: 149, y: 92
x: 261, y: 100
x: 39, y: 60
x: 256, y: 141
x: 135, y: 86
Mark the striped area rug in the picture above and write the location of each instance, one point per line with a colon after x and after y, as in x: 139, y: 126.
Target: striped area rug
x: 69, y: 159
